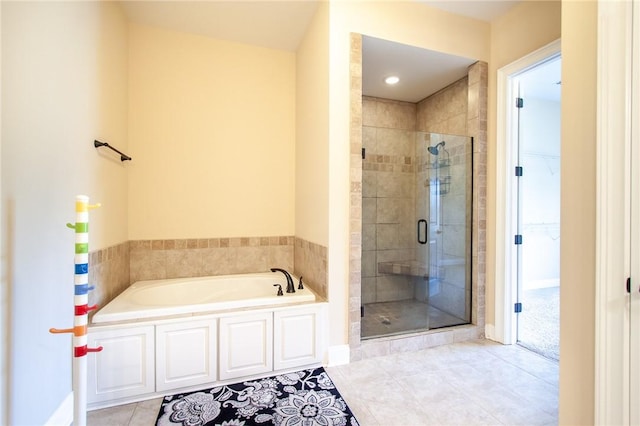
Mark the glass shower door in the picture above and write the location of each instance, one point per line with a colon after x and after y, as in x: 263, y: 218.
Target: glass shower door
x: 443, y: 208
x: 416, y: 227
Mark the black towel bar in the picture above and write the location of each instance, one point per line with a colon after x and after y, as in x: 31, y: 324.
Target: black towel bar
x: 123, y: 157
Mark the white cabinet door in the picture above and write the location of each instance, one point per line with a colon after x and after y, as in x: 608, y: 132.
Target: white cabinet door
x: 297, y: 338
x: 185, y: 354
x: 124, y: 367
x: 246, y: 345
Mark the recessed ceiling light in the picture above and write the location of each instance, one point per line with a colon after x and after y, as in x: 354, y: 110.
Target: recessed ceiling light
x: 391, y: 80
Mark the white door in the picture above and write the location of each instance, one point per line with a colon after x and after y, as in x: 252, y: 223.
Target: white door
x: 634, y: 308
x: 537, y: 204
x: 634, y: 334
x: 617, y: 343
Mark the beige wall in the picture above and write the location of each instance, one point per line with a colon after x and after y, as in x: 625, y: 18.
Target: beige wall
x: 578, y: 212
x: 312, y: 127
x: 212, y: 135
x: 410, y: 23
x: 64, y: 84
x: 524, y: 29
x: 216, y: 158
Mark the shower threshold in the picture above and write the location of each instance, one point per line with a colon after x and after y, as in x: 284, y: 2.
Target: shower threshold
x: 384, y: 319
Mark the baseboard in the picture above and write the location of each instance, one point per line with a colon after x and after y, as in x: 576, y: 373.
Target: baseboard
x: 490, y: 332
x: 339, y: 355
x: 63, y: 416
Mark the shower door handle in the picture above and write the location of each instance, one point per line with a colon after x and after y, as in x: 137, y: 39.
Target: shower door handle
x: 422, y: 226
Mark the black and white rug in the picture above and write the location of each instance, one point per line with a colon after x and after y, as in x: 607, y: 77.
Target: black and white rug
x: 305, y: 398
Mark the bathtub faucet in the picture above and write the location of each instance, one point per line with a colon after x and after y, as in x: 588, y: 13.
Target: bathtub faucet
x: 290, y: 287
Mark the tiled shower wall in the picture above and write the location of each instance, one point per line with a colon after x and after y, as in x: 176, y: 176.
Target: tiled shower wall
x: 393, y: 153
x: 445, y: 111
x: 113, y: 269
x: 388, y: 197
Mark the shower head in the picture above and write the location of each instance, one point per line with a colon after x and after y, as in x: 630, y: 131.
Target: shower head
x: 434, y: 150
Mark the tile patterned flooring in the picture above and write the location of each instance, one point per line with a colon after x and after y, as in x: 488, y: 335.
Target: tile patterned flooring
x: 470, y: 383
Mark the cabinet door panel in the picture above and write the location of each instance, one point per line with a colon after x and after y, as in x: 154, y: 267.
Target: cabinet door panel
x: 246, y: 345
x: 124, y: 367
x: 185, y: 354
x: 296, y: 338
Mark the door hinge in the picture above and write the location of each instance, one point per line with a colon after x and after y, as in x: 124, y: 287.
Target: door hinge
x: 519, y: 102
x: 629, y: 285
x: 518, y: 239
x: 361, y: 311
x: 517, y: 308
x: 519, y: 170
x: 363, y: 153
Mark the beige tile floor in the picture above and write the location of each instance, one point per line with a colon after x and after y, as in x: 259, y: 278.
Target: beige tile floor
x: 471, y: 383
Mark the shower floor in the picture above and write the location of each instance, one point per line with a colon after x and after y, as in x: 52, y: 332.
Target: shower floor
x: 403, y: 316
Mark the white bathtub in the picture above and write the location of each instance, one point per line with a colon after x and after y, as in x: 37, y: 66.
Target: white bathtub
x: 158, y: 298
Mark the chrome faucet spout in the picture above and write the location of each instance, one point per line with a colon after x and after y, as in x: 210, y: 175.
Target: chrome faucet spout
x: 290, y: 287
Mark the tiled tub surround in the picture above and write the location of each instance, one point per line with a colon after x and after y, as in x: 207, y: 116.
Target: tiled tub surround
x: 113, y: 269
x: 160, y: 259
x: 310, y: 262
x: 461, y: 108
x: 108, y: 273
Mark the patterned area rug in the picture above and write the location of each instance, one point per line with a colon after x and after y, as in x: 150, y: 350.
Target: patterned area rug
x: 305, y: 398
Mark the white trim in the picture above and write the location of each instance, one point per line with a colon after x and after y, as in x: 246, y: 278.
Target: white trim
x: 490, y: 332
x: 63, y: 416
x: 634, y: 315
x: 613, y: 193
x: 4, y: 302
x: 504, y: 252
x: 338, y: 355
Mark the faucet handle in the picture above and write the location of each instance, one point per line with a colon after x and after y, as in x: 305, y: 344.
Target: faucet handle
x: 279, y: 289
x: 300, y: 286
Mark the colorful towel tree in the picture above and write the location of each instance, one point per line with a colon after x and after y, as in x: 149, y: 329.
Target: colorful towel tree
x: 81, y: 309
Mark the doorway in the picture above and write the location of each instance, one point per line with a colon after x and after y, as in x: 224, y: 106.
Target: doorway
x: 537, y: 207
x: 526, y: 231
